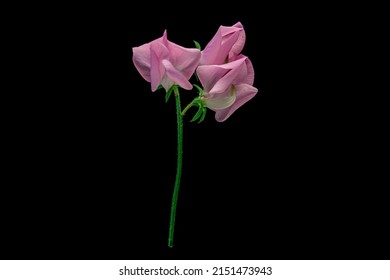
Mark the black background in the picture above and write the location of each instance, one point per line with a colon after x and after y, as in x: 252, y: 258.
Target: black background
x: 92, y: 151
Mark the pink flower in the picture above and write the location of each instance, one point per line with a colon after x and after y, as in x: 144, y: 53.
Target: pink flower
x: 226, y: 42
x: 163, y: 62
x: 227, y: 87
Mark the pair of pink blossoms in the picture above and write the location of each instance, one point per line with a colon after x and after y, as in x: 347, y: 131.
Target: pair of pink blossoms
x: 226, y: 75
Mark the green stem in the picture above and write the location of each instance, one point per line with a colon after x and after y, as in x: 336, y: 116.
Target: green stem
x: 186, y: 108
x: 179, y: 166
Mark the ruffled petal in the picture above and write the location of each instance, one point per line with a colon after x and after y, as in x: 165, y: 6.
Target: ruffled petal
x: 175, y: 75
x: 217, y: 51
x: 244, y: 93
x: 228, y: 42
x: 250, y: 76
x: 240, y: 42
x: 184, y: 59
x: 217, y: 78
x: 227, y: 80
x: 158, y: 52
x: 247, y: 74
x: 141, y: 60
x: 209, y: 75
x: 228, y: 39
x: 211, y: 50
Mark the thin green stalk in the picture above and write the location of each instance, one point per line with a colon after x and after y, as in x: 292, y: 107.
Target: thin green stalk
x: 179, y: 166
x: 186, y: 108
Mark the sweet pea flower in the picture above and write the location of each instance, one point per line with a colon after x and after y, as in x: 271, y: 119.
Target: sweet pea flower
x: 166, y: 63
x: 226, y: 87
x: 226, y: 42
x: 226, y: 77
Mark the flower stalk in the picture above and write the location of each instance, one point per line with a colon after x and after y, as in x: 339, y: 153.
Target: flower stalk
x: 175, y: 195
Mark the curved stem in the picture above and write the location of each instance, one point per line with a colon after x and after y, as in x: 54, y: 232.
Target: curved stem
x: 179, y: 166
x: 186, y: 108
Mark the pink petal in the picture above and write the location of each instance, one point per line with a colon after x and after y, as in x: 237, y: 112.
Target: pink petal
x: 228, y: 39
x: 176, y: 76
x: 184, y: 59
x: 227, y: 80
x: 216, y: 78
x: 164, y: 38
x: 250, y: 76
x: 247, y: 74
x: 141, y: 60
x: 217, y: 50
x: 158, y: 52
x: 244, y: 93
x: 211, y: 50
x: 227, y: 44
x: 209, y: 75
x: 240, y: 42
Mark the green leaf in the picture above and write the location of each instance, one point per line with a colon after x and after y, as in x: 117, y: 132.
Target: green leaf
x: 204, y: 111
x: 168, y: 94
x: 197, y: 102
x: 200, y: 90
x: 197, y: 115
x: 197, y: 45
x: 159, y: 87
